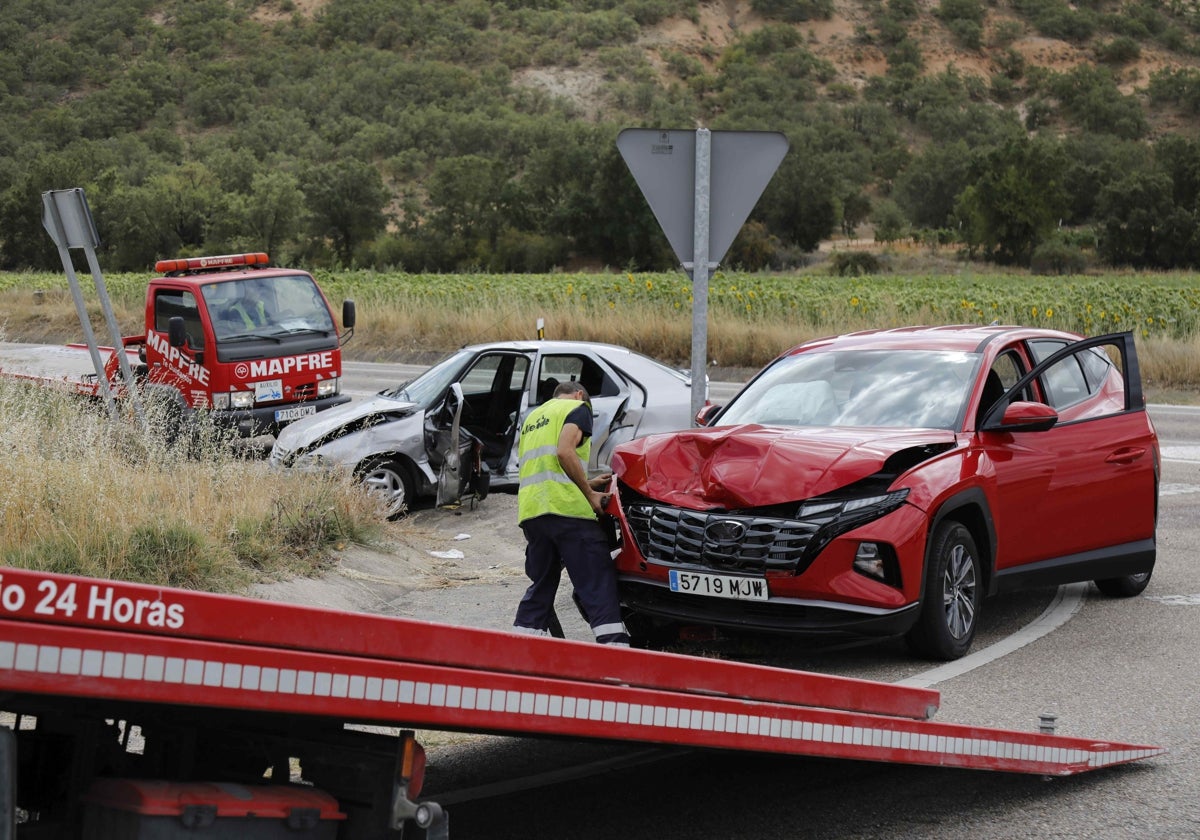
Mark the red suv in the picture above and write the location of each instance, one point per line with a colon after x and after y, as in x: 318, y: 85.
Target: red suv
x: 883, y: 482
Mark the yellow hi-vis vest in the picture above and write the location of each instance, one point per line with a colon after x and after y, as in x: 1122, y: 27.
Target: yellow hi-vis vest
x: 256, y: 316
x: 545, y: 487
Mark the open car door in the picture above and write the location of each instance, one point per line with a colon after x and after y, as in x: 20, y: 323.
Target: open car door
x: 451, y: 450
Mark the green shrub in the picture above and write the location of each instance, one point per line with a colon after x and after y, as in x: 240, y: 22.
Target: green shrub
x: 1057, y: 257
x: 854, y: 263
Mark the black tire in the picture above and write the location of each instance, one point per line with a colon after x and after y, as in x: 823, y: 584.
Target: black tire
x: 1125, y: 587
x: 391, y: 482
x: 952, y: 597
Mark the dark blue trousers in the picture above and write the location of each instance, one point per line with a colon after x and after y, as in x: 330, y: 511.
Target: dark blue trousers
x: 557, y: 542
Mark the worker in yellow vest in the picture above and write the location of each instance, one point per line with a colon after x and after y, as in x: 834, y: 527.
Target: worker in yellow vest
x: 557, y: 508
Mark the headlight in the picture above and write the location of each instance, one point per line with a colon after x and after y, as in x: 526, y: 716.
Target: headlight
x: 859, y: 508
x: 835, y: 516
x: 242, y: 399
x: 328, y: 387
x: 220, y: 401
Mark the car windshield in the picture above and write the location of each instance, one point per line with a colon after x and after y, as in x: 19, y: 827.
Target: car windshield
x: 430, y: 385
x: 266, y: 307
x: 904, y: 389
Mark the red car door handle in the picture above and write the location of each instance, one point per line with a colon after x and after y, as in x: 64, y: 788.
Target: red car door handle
x: 1125, y: 455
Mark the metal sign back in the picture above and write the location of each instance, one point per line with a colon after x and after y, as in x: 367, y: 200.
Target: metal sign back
x: 663, y: 162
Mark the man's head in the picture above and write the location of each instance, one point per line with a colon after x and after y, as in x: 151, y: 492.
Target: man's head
x: 571, y: 391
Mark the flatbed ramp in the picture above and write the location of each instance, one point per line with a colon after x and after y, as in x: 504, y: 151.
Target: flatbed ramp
x: 68, y: 636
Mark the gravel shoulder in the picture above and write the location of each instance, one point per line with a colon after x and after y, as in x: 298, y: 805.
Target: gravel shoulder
x: 461, y: 565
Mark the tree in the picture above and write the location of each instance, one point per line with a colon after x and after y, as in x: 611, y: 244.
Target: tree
x: 1130, y: 212
x: 928, y: 189
x: 1015, y: 201
x: 273, y: 208
x: 346, y: 200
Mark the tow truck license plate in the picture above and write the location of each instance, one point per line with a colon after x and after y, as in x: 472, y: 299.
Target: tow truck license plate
x: 286, y: 415
x: 719, y: 586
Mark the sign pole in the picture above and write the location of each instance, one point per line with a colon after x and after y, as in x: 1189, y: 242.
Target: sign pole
x: 700, y: 269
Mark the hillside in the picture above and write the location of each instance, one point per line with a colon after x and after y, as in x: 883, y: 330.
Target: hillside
x: 465, y: 134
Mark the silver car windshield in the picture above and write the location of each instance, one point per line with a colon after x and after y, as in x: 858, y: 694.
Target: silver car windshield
x: 903, y: 389
x: 432, y: 384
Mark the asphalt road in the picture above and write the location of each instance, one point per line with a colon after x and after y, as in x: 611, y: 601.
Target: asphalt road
x: 1122, y: 670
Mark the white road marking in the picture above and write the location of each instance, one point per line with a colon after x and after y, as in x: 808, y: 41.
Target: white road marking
x: 1067, y: 601
x: 1185, y: 453
x: 1175, y: 600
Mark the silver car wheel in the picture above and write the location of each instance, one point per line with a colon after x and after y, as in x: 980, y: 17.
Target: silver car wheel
x: 388, y: 482
x: 958, y: 594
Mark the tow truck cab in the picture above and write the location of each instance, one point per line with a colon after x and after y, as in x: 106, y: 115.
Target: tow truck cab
x: 257, y: 346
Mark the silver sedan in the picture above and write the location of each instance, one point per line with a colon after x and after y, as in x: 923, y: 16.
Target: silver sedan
x: 453, y: 429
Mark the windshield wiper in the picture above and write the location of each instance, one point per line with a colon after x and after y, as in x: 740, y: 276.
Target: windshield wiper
x: 241, y: 337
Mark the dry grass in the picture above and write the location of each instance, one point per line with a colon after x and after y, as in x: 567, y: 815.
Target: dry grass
x: 85, y: 495
x: 423, y: 331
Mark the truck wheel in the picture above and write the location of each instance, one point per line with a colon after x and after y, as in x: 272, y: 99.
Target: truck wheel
x: 950, y: 606
x: 1125, y: 587
x: 390, y: 482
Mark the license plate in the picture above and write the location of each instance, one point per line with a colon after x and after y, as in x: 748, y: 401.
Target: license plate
x: 286, y: 415
x: 719, y: 586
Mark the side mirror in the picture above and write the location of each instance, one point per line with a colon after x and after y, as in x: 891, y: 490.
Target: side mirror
x: 176, y: 332
x: 348, y: 315
x: 177, y: 338
x: 1028, y: 417
x: 706, y: 415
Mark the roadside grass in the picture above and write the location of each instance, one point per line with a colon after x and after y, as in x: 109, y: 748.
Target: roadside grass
x: 85, y: 495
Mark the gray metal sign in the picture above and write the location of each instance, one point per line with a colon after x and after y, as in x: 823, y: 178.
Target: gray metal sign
x: 68, y: 219
x: 701, y: 186
x: 663, y: 162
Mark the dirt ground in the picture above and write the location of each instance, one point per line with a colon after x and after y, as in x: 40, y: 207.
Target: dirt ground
x: 463, y: 565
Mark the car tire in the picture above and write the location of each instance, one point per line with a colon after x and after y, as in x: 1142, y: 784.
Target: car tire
x: 953, y: 592
x: 1126, y: 586
x: 391, y: 482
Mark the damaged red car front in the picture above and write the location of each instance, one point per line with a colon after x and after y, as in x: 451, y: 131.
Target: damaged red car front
x: 883, y: 483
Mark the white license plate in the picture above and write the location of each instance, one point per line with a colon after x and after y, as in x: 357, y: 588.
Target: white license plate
x: 267, y: 391
x: 286, y: 415
x: 719, y: 586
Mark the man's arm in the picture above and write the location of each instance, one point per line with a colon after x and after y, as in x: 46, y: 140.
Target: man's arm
x: 568, y: 441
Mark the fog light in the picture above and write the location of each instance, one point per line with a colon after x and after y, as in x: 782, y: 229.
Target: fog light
x: 869, y: 561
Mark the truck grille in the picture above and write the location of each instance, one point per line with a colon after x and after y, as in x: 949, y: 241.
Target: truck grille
x: 718, y: 540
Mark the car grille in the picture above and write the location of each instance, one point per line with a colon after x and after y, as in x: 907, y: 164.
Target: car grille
x: 717, y: 540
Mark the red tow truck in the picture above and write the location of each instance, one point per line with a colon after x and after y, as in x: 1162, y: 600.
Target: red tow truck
x: 129, y: 710
x: 257, y: 347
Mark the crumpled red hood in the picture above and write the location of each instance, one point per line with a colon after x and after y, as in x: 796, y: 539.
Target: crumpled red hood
x: 747, y: 466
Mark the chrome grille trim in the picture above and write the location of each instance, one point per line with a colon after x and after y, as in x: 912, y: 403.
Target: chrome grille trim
x: 677, y: 535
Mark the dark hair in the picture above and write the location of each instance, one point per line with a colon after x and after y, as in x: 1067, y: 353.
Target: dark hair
x: 567, y: 389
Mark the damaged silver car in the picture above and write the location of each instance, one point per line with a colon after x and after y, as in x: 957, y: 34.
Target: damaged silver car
x: 452, y: 431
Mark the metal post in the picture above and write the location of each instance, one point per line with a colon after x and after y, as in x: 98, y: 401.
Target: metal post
x: 60, y: 238
x: 117, y: 339
x: 700, y: 268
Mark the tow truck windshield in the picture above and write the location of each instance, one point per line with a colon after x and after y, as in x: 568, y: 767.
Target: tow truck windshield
x: 266, y: 307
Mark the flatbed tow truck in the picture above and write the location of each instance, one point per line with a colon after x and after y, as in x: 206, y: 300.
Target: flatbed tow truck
x: 142, y: 711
